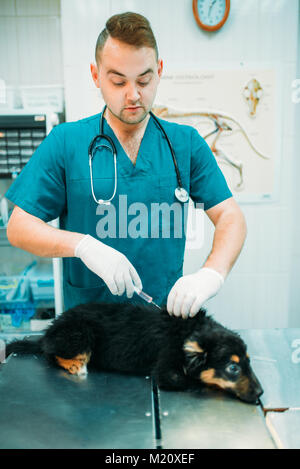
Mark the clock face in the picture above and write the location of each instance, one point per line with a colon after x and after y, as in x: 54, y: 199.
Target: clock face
x: 212, y: 12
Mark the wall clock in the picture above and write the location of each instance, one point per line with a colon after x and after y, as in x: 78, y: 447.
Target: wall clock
x: 211, y: 14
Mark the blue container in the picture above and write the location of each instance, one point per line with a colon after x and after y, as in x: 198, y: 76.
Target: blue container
x: 16, y: 302
x: 16, y: 316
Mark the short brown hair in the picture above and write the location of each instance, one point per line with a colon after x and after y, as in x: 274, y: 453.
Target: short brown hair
x: 131, y: 28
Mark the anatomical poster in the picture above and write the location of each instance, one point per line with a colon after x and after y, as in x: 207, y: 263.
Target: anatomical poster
x: 237, y: 112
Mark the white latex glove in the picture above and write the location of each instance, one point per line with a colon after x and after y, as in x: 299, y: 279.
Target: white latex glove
x: 111, y: 265
x: 191, y: 291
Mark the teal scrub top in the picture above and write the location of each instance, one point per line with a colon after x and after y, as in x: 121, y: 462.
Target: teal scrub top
x: 56, y: 183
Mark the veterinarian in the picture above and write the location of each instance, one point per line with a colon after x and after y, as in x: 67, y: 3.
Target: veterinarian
x: 105, y: 265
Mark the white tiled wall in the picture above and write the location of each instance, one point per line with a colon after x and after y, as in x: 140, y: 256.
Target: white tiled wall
x: 37, y: 7
x: 9, y: 66
x: 88, y: 18
x: 30, y: 42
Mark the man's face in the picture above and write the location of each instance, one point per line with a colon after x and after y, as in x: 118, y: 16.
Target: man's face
x: 128, y: 78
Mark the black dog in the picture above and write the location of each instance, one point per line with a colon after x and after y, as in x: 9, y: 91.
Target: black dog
x: 140, y: 339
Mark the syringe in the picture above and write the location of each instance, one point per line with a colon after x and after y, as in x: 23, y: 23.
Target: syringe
x: 145, y: 297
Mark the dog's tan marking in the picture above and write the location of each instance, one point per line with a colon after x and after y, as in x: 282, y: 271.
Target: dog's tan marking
x: 75, y: 365
x: 235, y: 358
x: 192, y: 346
x: 242, y: 385
x: 208, y: 377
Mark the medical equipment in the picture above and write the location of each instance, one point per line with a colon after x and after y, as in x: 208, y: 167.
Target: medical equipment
x: 21, y: 132
x: 16, y: 301
x: 180, y: 193
x: 145, y: 297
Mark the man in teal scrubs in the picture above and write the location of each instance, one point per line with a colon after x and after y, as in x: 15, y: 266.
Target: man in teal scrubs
x: 108, y: 250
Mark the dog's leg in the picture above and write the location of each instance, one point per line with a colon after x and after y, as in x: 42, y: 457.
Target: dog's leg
x: 76, y: 365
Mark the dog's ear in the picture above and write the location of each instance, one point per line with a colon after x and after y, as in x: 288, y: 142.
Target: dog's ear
x: 194, y: 352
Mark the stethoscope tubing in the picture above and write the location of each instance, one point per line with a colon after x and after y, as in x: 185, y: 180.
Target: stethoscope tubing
x: 180, y: 193
x: 171, y: 149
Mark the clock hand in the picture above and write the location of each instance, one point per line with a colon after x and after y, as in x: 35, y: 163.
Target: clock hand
x: 210, y: 6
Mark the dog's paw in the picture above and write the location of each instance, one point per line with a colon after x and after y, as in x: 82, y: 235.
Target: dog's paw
x: 76, y: 365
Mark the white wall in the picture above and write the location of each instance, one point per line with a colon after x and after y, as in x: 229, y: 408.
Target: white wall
x: 257, y: 292
x: 294, y: 290
x: 30, y: 42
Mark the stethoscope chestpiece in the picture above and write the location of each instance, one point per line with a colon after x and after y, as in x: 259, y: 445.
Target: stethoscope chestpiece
x: 103, y: 202
x: 181, y: 194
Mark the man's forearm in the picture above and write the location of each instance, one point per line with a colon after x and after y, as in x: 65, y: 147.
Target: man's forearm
x: 34, y: 235
x: 229, y: 237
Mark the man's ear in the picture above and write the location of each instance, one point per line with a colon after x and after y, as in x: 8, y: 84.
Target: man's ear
x: 160, y: 67
x: 95, y: 74
x: 194, y: 353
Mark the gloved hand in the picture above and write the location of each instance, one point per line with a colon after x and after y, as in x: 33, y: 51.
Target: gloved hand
x: 191, y: 291
x: 111, y: 265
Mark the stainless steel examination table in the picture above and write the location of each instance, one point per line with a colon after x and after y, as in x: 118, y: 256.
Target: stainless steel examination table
x: 43, y: 407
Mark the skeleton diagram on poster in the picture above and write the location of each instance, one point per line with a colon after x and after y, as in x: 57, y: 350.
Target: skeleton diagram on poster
x: 234, y: 110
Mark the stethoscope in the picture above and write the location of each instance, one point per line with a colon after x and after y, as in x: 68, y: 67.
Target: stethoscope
x: 180, y: 193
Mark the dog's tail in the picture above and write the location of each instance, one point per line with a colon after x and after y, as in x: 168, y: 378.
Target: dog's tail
x: 24, y: 346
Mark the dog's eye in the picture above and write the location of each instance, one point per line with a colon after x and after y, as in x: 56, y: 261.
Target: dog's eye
x: 233, y: 369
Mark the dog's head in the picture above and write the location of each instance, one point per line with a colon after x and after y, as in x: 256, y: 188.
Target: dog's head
x: 218, y: 357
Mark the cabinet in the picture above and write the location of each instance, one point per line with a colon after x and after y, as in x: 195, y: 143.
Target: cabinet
x: 30, y: 287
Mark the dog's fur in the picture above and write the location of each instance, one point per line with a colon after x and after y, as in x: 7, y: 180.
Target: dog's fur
x: 142, y: 340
